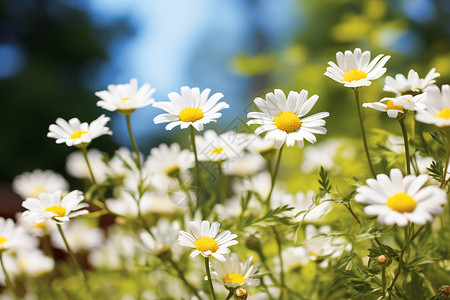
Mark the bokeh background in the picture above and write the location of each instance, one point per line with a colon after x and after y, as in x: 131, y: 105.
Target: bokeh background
x: 54, y: 54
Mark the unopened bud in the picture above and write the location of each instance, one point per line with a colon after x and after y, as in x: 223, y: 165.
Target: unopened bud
x: 120, y: 221
x: 382, y: 259
x: 444, y: 292
x: 253, y: 243
x: 240, y: 294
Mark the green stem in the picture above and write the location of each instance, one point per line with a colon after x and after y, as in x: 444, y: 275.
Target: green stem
x: 94, y: 181
x: 223, y: 184
x: 7, y: 278
x: 359, y: 222
x: 443, y: 182
x: 197, y: 167
x: 183, y: 278
x: 72, y: 255
x: 279, y: 246
x: 266, y: 288
x: 230, y: 294
x: 363, y: 132
x: 274, y: 175
x: 406, y: 142
x: 408, y: 239
x: 208, y: 274
x: 133, y: 142
x: 263, y: 260
x: 383, y: 280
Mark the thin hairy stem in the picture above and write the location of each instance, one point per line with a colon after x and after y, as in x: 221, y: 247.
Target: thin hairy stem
x: 7, y: 278
x: 133, y: 142
x: 208, y: 274
x: 197, y: 167
x: 274, y: 175
x: 406, y: 142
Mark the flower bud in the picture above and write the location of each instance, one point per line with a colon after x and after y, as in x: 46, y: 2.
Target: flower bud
x: 382, y: 259
x: 240, y: 294
x: 444, y: 292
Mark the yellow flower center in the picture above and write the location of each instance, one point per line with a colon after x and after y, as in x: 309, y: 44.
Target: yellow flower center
x: 41, y: 226
x: 191, y: 114
x: 173, y: 171
x: 57, y: 209
x: 390, y: 105
x: 206, y: 243
x: 125, y: 99
x: 217, y: 150
x: 234, y: 278
x: 402, y: 203
x: 444, y: 114
x: 354, y: 74
x: 77, y: 134
x: 2, y: 240
x: 287, y: 121
x: 37, y: 190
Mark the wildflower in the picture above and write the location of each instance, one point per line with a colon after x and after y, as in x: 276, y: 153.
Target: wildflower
x: 35, y: 229
x: 79, y: 235
x: 233, y: 273
x: 167, y: 163
x: 125, y: 98
x: 437, y: 107
x: 354, y: 69
x: 260, y: 145
x: 282, y: 118
x: 33, y: 262
x: 31, y: 184
x: 294, y: 258
x: 400, y: 200
x: 51, y: 206
x: 402, y: 85
x: 74, y: 133
x: 76, y: 165
x: 165, y: 235
x: 398, y: 105
x: 203, y: 239
x: 246, y: 165
x: 214, y: 147
x: 14, y: 237
x: 190, y: 108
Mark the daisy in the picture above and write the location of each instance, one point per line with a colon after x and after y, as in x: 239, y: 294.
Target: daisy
x: 125, y: 98
x: 233, y: 273
x: 245, y: 166
x: 437, y: 107
x: 214, y: 147
x: 398, y: 105
x: 167, y: 163
x: 51, y: 206
x: 294, y: 258
x: 190, y: 108
x: 164, y: 236
x: 14, y: 237
x: 402, y: 85
x: 260, y: 145
x: 79, y: 235
x: 354, y: 69
x: 282, y: 118
x: 400, y: 200
x: 74, y: 133
x: 203, y: 239
x: 31, y: 184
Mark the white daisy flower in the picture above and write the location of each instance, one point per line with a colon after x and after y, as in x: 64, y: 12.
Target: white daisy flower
x: 294, y: 258
x: 51, y: 206
x: 122, y: 164
x: 303, y: 202
x: 14, y: 237
x: 322, y: 155
x: 354, y: 69
x: 398, y: 105
x: 260, y: 145
x: 233, y: 273
x: 167, y: 163
x: 402, y: 85
x: 77, y: 167
x: 125, y: 98
x: 75, y: 133
x: 79, y: 235
x: 400, y: 200
x: 190, y: 108
x: 245, y: 166
x: 437, y: 107
x: 165, y: 235
x: 282, y: 118
x: 214, y: 147
x: 31, y: 184
x: 203, y: 239
x: 35, y: 229
x: 33, y: 262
